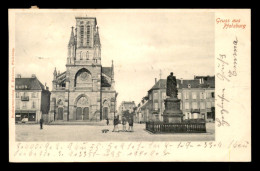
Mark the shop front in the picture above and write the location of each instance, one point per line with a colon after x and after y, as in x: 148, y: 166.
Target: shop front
x: 25, y: 116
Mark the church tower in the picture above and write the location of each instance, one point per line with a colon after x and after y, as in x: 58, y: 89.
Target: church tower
x: 85, y: 91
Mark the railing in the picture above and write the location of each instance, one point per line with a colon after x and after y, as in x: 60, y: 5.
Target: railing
x: 25, y: 98
x: 160, y: 127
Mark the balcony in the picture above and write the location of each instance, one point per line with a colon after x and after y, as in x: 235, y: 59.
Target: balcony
x: 156, y: 111
x: 24, y: 98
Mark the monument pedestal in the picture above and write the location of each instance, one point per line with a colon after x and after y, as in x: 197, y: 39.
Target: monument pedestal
x: 172, y: 112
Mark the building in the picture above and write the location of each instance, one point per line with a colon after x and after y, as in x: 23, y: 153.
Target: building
x: 142, y: 113
x: 197, y: 99
x: 126, y: 105
x: 86, y: 90
x: 32, y: 100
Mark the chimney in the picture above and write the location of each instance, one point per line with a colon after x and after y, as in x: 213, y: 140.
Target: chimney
x: 18, y: 76
x: 33, y: 76
x: 47, y: 88
x: 155, y: 80
x: 181, y: 81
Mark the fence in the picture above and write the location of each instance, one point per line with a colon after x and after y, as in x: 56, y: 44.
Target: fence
x: 160, y: 127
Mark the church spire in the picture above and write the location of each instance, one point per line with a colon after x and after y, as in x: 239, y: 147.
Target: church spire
x: 112, y: 70
x: 72, y: 38
x: 96, y: 38
x: 54, y: 73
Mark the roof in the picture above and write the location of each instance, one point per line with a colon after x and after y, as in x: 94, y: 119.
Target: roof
x: 195, y: 83
x: 208, y: 81
x: 30, y: 83
x: 107, y: 71
x: 185, y: 83
x: 147, y: 104
x: 104, y: 82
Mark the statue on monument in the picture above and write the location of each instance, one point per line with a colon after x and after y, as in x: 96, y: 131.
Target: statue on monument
x: 171, y: 89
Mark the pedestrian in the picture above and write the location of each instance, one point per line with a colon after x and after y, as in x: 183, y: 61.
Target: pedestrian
x: 115, y: 124
x: 124, y: 124
x: 107, y: 121
x: 131, y: 123
x: 41, y: 122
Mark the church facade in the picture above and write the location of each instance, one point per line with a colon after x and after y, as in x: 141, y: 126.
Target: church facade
x: 86, y: 90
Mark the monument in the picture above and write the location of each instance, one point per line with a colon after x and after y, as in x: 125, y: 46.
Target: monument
x: 172, y: 112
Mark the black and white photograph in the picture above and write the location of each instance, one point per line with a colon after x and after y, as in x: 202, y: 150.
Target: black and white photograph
x: 121, y: 76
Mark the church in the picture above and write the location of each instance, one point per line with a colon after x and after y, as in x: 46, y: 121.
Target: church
x: 86, y: 90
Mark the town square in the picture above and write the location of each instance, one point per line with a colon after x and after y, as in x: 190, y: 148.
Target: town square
x: 167, y: 94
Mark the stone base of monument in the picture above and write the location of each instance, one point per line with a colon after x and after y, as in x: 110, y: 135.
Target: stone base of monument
x: 172, y: 112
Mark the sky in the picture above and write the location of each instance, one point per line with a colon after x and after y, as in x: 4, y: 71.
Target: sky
x: 140, y: 42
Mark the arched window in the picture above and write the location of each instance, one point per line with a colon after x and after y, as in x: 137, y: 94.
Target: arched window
x: 88, y: 35
x: 87, y: 55
x: 80, y: 54
x: 81, y: 35
x: 83, y: 78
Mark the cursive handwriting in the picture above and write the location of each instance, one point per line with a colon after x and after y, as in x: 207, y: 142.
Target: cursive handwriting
x: 222, y: 64
x: 234, y: 71
x: 223, y: 111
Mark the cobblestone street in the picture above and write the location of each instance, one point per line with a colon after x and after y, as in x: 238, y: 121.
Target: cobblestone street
x: 94, y: 133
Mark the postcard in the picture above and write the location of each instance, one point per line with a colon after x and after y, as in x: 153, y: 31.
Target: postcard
x: 129, y: 85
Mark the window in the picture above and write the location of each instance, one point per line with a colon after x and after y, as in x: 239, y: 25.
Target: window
x: 34, y: 95
x: 189, y: 86
x: 33, y: 104
x: 194, y: 95
x: 187, y: 105
x: 163, y: 95
x: 202, y: 95
x: 212, y: 94
x: 80, y: 55
x: 24, y: 104
x: 208, y: 105
x: 155, y: 95
x: 194, y: 105
x: 87, y: 55
x: 17, y: 104
x: 88, y: 35
x: 208, y: 95
x: 81, y: 35
x: 163, y: 107
x: 186, y: 95
x: 155, y: 106
x: 202, y: 105
x: 17, y: 94
x: 179, y: 95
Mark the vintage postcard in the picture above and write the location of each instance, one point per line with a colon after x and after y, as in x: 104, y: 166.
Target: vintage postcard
x: 95, y: 85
